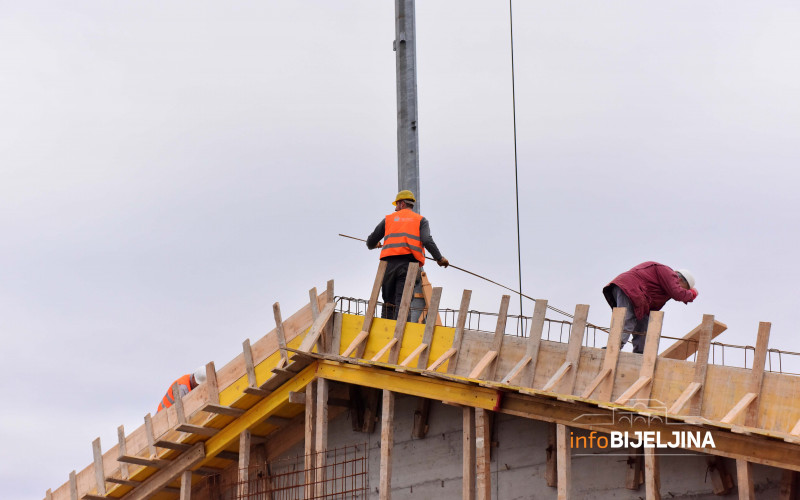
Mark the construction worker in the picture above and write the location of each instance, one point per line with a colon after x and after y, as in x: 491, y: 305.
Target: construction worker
x: 647, y: 287
x: 404, y: 233
x: 185, y: 385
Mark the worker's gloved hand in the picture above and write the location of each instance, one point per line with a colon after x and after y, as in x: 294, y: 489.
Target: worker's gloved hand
x: 695, y: 293
x: 443, y: 262
x: 379, y: 245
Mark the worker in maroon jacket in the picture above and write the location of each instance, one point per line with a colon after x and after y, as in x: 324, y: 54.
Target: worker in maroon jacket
x: 647, y: 287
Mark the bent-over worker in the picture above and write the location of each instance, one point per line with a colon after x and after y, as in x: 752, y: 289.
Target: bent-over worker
x: 185, y: 385
x: 404, y: 234
x: 647, y: 287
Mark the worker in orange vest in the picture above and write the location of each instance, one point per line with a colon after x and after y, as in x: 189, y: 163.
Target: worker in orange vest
x: 404, y: 234
x: 185, y: 385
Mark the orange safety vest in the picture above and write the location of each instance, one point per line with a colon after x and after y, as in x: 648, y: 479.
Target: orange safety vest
x: 167, y: 400
x: 402, y: 235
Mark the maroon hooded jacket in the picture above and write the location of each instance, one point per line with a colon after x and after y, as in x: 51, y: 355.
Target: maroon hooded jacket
x: 649, y: 286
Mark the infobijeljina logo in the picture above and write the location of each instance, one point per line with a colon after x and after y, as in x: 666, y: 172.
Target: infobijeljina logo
x: 640, y: 435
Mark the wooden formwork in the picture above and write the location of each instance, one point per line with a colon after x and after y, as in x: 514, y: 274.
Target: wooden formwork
x: 282, y: 382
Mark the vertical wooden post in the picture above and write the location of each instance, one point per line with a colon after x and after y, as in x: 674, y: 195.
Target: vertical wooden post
x: 499, y: 335
x: 327, y: 333
x: 402, y: 311
x: 744, y: 479
x: 186, y: 485
x: 310, y: 459
x: 244, y: 464
x: 756, y: 378
x: 574, y: 347
x: 99, y: 475
x: 534, y: 341
x: 387, y: 441
x: 458, y: 336
x: 652, y: 475
x: 73, y: 486
x: 321, y: 431
x: 789, y: 488
x: 551, y: 468
x: 701, y: 364
x: 483, y: 444
x: 564, y: 460
x: 369, y: 314
x: 276, y: 311
x: 211, y: 383
x: 123, y: 450
x: 468, y: 467
x: 151, y: 438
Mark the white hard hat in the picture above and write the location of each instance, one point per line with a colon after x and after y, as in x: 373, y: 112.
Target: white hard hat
x: 200, y: 375
x: 687, y: 276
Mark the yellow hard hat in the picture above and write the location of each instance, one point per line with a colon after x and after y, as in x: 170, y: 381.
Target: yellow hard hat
x: 404, y: 195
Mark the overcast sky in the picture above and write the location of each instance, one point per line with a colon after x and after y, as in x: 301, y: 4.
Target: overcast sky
x: 168, y: 170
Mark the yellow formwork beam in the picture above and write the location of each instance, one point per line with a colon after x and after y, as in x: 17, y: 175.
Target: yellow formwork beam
x: 257, y: 413
x: 414, y: 385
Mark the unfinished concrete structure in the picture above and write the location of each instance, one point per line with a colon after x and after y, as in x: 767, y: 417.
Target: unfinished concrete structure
x: 334, y: 403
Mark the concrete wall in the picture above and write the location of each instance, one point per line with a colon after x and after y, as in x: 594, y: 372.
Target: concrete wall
x: 430, y: 468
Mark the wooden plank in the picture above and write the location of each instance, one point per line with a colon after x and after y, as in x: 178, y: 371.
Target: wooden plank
x: 178, y: 404
x: 631, y: 391
x: 483, y: 445
x: 124, y: 482
x: 744, y: 479
x: 244, y: 463
x: 99, y: 475
x: 633, y: 474
x: 695, y: 404
x: 469, y: 454
x: 197, y: 429
x: 164, y: 476
x: 73, y: 486
x: 281, y: 334
x: 757, y: 375
x: 298, y: 398
x: 444, y: 357
x: 379, y: 354
x: 641, y: 389
x: 171, y: 445
x: 458, y: 336
x: 740, y: 406
x: 421, y: 415
x: 652, y: 474
x: 321, y: 435
x: 788, y: 489
x: 604, y: 380
x: 314, y: 302
x: 369, y: 314
x: 252, y: 383
x: 534, y: 342
x: 564, y: 461
x: 685, y: 347
x: 605, y: 374
x: 314, y: 333
x: 356, y: 343
x: 336, y: 342
x: 687, y: 393
x: 387, y: 441
x: 212, y: 388
x: 147, y: 462
x: 402, y: 312
x: 48, y: 495
x: 517, y: 369
x: 551, y: 466
x: 310, y: 438
x: 557, y: 376
x: 421, y: 349
x: 721, y: 482
x: 574, y: 349
x: 477, y: 372
x: 122, y: 450
x: 499, y: 336
x: 430, y: 324
x: 186, y: 485
x: 223, y: 410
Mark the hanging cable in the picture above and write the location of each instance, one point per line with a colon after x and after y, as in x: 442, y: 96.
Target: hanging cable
x: 516, y: 169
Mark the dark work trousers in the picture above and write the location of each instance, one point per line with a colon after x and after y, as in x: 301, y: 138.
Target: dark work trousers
x: 393, y: 282
x: 631, y: 323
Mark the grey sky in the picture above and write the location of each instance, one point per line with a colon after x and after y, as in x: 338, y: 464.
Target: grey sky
x: 169, y: 170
